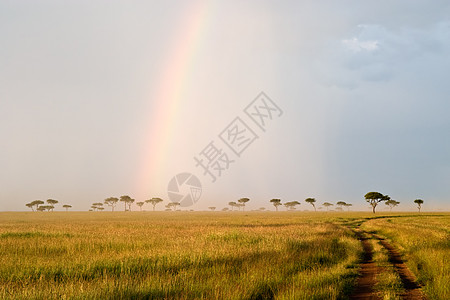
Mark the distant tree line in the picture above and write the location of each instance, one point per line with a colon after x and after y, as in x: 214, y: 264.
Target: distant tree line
x: 373, y: 198
x: 38, y: 205
x: 128, y: 201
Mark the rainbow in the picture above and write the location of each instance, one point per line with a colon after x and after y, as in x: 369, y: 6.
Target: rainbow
x: 169, y: 98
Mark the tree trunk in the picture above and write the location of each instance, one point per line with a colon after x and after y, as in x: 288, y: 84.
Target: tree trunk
x: 373, y: 208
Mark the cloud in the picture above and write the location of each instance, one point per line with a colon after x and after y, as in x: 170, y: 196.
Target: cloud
x: 372, y: 53
x: 357, y: 45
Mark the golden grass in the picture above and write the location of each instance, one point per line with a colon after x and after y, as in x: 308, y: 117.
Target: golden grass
x: 424, y: 241
x: 175, y: 255
x: 210, y: 255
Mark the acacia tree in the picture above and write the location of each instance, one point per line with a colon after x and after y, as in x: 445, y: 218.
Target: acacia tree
x: 154, y: 201
x: 212, y: 208
x: 419, y: 203
x: 111, y: 201
x: 67, y: 206
x: 52, y: 203
x: 373, y: 198
x: 97, y: 206
x: 341, y: 203
x: 242, y: 202
x: 233, y: 205
x: 140, y: 204
x: 36, y: 203
x: 391, y: 203
x: 348, y: 205
x: 40, y: 208
x: 129, y: 203
x: 46, y: 207
x: 276, y: 203
x: 173, y: 205
x: 327, y: 204
x: 291, y: 205
x: 311, y: 201
x: 30, y: 205
x: 127, y: 200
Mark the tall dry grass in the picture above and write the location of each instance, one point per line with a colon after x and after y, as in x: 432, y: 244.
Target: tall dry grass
x: 155, y: 255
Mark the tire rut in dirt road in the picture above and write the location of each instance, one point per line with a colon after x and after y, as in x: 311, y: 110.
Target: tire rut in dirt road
x: 412, y: 288
x: 368, y: 271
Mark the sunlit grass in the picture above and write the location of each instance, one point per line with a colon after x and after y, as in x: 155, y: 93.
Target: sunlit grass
x: 175, y: 255
x: 425, y: 243
x: 389, y: 285
x: 210, y: 255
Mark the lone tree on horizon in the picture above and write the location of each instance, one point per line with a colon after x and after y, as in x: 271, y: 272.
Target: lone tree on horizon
x: 154, y: 201
x: 327, y: 204
x: 311, y: 201
x: 52, y: 203
x: 212, y: 208
x: 276, y: 203
x: 111, y: 201
x: 373, y: 198
x: 67, y: 206
x: 391, y: 203
x: 242, y: 202
x: 419, y: 203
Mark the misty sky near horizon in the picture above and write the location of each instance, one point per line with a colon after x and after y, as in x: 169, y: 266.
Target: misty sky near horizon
x: 364, y: 89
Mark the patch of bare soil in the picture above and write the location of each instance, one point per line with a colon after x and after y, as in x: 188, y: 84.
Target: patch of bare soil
x: 412, y: 288
x: 368, y: 271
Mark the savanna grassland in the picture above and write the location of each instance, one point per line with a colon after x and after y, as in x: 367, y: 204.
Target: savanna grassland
x: 206, y: 255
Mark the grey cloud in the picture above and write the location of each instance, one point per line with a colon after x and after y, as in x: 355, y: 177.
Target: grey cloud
x: 373, y: 52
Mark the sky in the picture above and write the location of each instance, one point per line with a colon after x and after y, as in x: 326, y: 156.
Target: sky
x: 101, y: 99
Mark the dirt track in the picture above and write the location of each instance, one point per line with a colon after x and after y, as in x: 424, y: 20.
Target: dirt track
x: 412, y: 288
x: 368, y: 271
x: 366, y: 281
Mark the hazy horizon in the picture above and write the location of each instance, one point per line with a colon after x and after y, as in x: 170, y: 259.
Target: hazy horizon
x: 109, y: 98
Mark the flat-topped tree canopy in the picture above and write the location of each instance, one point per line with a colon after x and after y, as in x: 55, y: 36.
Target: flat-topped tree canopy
x: 373, y: 198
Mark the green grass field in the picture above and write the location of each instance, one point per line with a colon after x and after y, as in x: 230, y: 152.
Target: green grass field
x: 205, y: 255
